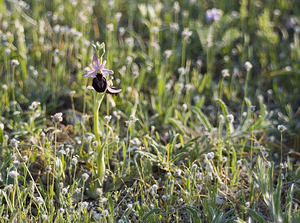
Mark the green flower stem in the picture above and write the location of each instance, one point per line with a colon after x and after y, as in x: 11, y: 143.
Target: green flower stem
x: 245, y: 90
x: 13, y: 87
x: 100, y: 149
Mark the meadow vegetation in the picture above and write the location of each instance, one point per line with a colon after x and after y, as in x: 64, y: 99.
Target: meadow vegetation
x: 206, y: 127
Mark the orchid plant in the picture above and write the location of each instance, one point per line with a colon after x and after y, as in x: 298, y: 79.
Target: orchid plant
x: 102, y: 84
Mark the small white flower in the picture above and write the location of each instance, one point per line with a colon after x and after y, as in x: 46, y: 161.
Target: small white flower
x: 45, y: 217
x: 99, y: 191
x: 239, y: 163
x: 178, y: 173
x: 4, y: 87
x: 176, y: 7
x: 56, y: 118
x: 122, y: 31
x: 39, y: 200
x: 16, y: 163
x: 9, y: 187
x: 34, y: 105
x: 281, y: 128
x: 13, y: 174
x: 270, y: 92
x: 181, y: 70
x: 184, y: 106
x: 135, y: 141
x: 110, y: 27
x: 118, y: 16
x: 248, y: 66
x: 64, y: 191
x: 186, y: 33
x: 14, y: 62
x: 94, y: 143
x: 85, y: 176
x: 213, y: 14
x: 72, y: 93
x: 83, y: 205
x: 74, y: 160
x: 105, y: 213
x: 14, y: 143
x: 225, y: 73
x: 168, y: 53
x: 210, y: 155
x: 221, y: 118
x: 116, y: 115
x: 155, y: 29
x: 129, y: 42
x: 174, y: 27
x: 288, y: 68
x: 107, y: 118
x: 230, y: 118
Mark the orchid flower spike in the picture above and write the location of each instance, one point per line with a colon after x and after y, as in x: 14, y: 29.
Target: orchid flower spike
x: 98, y: 72
x: 96, y: 67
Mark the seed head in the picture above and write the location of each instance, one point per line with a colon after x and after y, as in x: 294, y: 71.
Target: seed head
x: 57, y: 118
x: 230, y: 118
x: 213, y: 15
x: 14, y: 143
x: 45, y: 217
x: 34, y: 105
x: 14, y: 62
x: 210, y: 155
x: 85, y: 176
x: 281, y: 128
x: 13, y: 174
x: 107, y: 118
x: 248, y: 66
x: 225, y: 73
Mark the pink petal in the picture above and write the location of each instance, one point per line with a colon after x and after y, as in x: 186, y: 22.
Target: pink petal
x: 106, y: 71
x: 91, y: 73
x: 113, y: 90
x: 96, y: 60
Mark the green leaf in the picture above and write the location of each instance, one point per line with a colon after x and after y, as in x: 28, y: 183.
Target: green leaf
x: 223, y: 107
x: 153, y: 211
x: 179, y: 125
x: 194, y: 212
x: 200, y: 115
x: 257, y: 217
x: 225, y: 111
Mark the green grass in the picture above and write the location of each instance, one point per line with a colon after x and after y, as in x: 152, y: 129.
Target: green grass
x: 205, y: 129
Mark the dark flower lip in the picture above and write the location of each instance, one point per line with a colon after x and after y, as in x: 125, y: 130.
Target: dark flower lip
x: 100, y: 85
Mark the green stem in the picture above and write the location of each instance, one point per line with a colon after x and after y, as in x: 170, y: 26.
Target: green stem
x: 245, y: 90
x: 13, y: 87
x: 97, y: 104
x: 100, y: 149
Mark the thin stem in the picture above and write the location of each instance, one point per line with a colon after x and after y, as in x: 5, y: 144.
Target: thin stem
x: 13, y: 87
x: 100, y: 149
x: 183, y: 53
x: 97, y: 104
x: 281, y: 147
x: 246, y: 90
